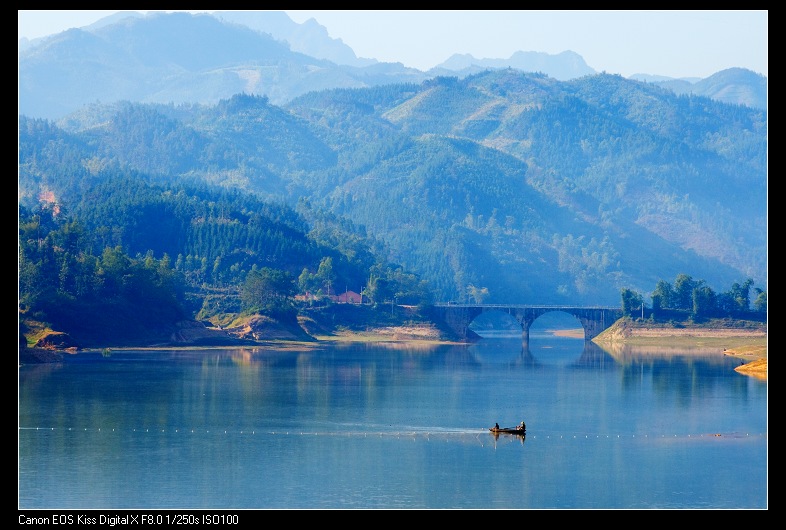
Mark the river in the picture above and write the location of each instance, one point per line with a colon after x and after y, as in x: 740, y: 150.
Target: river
x: 393, y: 426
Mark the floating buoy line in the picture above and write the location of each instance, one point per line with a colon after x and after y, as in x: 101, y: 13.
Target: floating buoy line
x: 482, y: 435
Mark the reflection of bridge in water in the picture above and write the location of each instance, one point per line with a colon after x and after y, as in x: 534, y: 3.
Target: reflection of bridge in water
x: 591, y: 356
x: 458, y: 317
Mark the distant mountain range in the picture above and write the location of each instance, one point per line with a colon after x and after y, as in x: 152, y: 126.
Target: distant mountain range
x: 184, y: 58
x: 543, y: 189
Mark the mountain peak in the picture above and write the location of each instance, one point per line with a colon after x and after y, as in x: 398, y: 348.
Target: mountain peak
x: 562, y: 66
x: 309, y: 38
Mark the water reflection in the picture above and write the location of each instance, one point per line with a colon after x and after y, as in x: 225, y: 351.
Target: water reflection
x: 681, y: 374
x: 362, y: 365
x: 393, y: 425
x: 506, y: 436
x: 555, y: 351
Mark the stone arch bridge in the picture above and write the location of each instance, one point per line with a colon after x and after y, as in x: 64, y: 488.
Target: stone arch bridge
x: 458, y: 317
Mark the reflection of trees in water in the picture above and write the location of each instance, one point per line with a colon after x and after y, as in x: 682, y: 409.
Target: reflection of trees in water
x: 684, y: 372
x: 354, y: 362
x: 686, y: 377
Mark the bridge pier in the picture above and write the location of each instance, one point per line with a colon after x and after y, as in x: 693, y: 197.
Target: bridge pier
x: 458, y: 317
x: 525, y: 320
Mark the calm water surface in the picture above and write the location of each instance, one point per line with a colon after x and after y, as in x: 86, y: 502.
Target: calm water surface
x: 393, y: 426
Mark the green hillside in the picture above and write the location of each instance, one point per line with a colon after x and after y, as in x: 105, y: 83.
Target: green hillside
x: 540, y: 191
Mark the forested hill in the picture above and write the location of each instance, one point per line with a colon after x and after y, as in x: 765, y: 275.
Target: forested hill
x: 539, y: 190
x: 113, y: 256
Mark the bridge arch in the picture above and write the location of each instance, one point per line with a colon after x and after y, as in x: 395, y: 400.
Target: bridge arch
x: 491, y: 323
x: 556, y: 319
x: 458, y: 317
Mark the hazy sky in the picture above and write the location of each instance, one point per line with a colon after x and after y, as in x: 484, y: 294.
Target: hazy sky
x: 670, y: 43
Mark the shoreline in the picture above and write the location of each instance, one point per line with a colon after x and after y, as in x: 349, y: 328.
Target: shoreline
x: 745, y: 346
x: 750, y: 346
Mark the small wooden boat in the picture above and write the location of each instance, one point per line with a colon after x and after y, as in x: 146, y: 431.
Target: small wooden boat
x: 520, y: 430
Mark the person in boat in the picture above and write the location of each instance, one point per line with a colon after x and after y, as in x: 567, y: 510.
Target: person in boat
x: 496, y: 426
x: 521, y: 426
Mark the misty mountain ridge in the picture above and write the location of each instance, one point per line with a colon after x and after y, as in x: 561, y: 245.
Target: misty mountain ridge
x: 280, y: 58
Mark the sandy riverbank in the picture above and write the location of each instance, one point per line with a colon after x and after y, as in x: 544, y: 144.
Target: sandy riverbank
x: 755, y: 357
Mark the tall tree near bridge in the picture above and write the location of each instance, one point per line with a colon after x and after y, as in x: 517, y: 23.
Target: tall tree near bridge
x: 478, y: 294
x: 631, y: 302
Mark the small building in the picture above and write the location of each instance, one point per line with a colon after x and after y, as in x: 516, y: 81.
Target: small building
x: 347, y: 297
